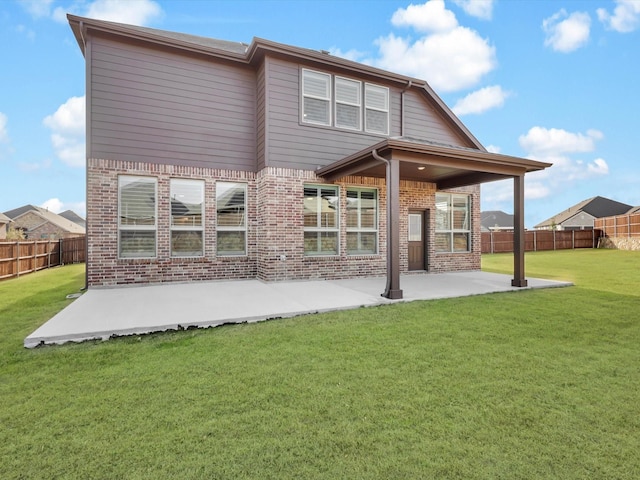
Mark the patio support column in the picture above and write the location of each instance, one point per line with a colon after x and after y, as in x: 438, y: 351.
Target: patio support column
x: 392, y: 291
x: 519, y: 279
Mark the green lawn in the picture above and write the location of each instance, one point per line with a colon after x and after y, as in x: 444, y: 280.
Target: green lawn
x: 533, y: 384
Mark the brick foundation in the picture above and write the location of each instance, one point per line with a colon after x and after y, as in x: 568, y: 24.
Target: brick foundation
x: 275, y: 247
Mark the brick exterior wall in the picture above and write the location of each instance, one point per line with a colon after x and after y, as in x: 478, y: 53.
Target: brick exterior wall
x: 275, y: 246
x: 38, y: 228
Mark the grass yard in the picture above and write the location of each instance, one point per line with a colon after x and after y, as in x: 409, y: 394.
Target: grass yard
x: 533, y: 384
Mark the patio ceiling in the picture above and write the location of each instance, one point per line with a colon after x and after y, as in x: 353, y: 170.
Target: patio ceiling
x: 445, y: 165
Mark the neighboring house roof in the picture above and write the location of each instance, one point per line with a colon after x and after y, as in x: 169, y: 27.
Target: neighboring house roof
x: 4, y: 219
x: 253, y: 54
x: 633, y: 210
x: 16, y: 212
x: 74, y: 217
x: 597, y: 207
x: 47, y: 216
x: 496, y: 219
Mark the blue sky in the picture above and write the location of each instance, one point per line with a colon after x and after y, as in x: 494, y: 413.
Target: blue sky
x: 550, y: 80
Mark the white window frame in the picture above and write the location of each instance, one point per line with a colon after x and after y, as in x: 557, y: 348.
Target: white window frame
x: 368, y: 106
x: 337, y: 102
x: 231, y: 228
x: 175, y: 182
x: 137, y: 228
x: 318, y: 228
x: 450, y: 230
x: 327, y: 98
x: 359, y: 228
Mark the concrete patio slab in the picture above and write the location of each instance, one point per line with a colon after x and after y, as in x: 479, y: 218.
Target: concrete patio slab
x: 104, y: 313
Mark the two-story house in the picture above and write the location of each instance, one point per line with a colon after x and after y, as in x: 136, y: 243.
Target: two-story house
x: 209, y: 159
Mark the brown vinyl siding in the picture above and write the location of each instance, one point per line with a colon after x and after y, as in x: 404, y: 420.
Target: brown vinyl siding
x: 423, y: 122
x: 293, y: 145
x: 261, y: 127
x: 153, y: 106
x: 296, y: 145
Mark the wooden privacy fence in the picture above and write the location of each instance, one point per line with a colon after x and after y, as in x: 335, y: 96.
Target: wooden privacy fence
x: 537, y: 240
x: 619, y: 226
x: 26, y: 256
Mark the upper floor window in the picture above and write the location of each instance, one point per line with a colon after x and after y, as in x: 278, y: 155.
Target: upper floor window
x: 187, y: 217
x: 348, y: 102
x: 376, y: 107
x: 321, y: 91
x: 316, y: 97
x: 137, y: 216
x: 453, y: 222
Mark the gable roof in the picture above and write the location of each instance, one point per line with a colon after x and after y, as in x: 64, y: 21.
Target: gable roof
x: 4, y: 219
x: 597, y: 207
x: 47, y: 216
x: 73, y: 217
x: 16, y: 212
x: 254, y: 53
x: 495, y: 218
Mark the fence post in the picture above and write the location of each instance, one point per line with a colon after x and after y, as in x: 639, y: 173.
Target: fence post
x: 628, y: 226
x: 554, y: 240
x: 573, y: 239
x: 17, y: 258
x: 491, y: 239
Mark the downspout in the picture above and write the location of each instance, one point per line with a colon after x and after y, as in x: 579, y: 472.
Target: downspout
x: 402, y: 107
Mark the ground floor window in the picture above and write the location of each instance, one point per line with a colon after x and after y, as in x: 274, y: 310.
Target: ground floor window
x: 187, y: 217
x: 321, y: 225
x: 137, y: 216
x: 231, y: 218
x: 453, y: 222
x: 362, y: 221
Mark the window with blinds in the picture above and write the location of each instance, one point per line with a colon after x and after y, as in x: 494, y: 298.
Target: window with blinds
x: 348, y: 103
x: 231, y: 218
x: 187, y: 217
x: 137, y: 216
x: 362, y: 221
x: 453, y: 223
x: 321, y: 90
x: 316, y: 97
x: 321, y: 214
x: 376, y: 109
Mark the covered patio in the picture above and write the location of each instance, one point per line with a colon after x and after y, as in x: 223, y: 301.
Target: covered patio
x: 447, y: 167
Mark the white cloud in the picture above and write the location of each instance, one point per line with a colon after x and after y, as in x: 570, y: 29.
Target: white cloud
x: 625, y: 18
x: 32, y: 167
x: 598, y: 167
x: 37, y: 8
x: 68, y: 126
x: 449, y: 61
x: 558, y: 146
x: 482, y: 9
x: 549, y: 142
x: 4, y: 134
x: 432, y: 16
x: 493, y: 149
x: 53, y: 205
x: 481, y: 100
x: 135, y: 12
x: 352, y: 54
x: 566, y: 33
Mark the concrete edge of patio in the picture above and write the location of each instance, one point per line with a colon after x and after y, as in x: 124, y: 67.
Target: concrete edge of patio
x: 105, y: 313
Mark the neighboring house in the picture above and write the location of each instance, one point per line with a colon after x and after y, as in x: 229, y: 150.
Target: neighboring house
x: 73, y: 217
x: 209, y: 159
x: 581, y: 215
x: 4, y: 226
x: 496, y: 220
x: 38, y: 223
